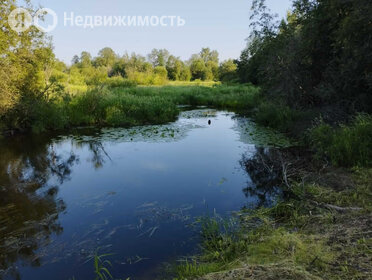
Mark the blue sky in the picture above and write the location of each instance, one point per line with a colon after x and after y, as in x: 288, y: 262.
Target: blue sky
x: 218, y: 24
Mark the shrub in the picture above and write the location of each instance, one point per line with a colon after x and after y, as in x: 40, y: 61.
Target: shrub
x: 276, y: 115
x: 345, y: 145
x: 118, y: 81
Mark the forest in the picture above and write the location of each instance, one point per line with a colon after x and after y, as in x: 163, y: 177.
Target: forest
x: 307, y: 76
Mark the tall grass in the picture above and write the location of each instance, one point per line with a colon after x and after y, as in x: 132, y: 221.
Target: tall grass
x: 226, y: 245
x: 120, y: 103
x: 113, y: 108
x: 220, y: 96
x: 346, y: 145
x: 276, y: 115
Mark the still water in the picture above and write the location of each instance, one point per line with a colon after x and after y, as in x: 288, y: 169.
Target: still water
x: 131, y: 192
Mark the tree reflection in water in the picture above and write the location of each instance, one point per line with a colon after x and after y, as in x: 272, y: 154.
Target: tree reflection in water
x: 29, y: 207
x: 265, y: 172
x: 272, y: 169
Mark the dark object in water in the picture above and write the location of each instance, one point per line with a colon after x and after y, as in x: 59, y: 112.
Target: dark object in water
x: 209, y: 122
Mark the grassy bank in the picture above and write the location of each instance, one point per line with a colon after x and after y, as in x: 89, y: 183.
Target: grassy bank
x: 126, y: 106
x: 319, y: 230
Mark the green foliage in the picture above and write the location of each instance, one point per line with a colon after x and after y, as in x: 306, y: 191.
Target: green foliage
x: 26, y: 67
x: 226, y: 243
x: 49, y: 116
x: 238, y: 97
x: 40, y: 92
x: 106, y: 58
x: 159, y: 57
x: 118, y: 81
x: 101, y: 267
x: 310, y: 69
x: 347, y: 145
x: 198, y: 69
x: 193, y: 269
x: 228, y: 71
x: 276, y: 116
x: 118, y: 102
x: 177, y: 70
x: 117, y: 108
x: 204, y: 66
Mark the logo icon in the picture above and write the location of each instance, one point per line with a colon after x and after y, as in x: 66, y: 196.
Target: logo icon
x: 20, y: 20
x: 41, y: 13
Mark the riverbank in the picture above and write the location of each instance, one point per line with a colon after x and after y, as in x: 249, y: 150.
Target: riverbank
x: 320, y: 228
x: 126, y: 106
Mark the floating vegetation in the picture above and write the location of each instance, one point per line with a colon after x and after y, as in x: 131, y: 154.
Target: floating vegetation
x: 151, y: 215
x: 147, y: 133
x: 133, y: 260
x: 200, y: 113
x: 251, y: 133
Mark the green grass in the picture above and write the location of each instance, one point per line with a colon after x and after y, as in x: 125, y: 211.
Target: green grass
x: 113, y: 108
x: 243, y: 97
x: 276, y: 115
x: 192, y: 269
x: 194, y: 83
x: 116, y: 105
x: 266, y: 244
x: 346, y: 145
x: 294, y: 234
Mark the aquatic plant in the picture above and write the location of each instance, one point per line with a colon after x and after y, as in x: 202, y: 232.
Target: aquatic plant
x: 101, y: 266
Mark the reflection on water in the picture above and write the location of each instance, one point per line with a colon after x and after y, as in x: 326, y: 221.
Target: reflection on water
x: 265, y: 175
x: 132, y: 192
x: 29, y: 208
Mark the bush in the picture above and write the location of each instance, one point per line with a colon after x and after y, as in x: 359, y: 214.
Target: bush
x: 118, y: 81
x: 345, y: 145
x: 49, y: 116
x: 276, y: 116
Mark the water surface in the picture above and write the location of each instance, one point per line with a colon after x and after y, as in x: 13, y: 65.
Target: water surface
x: 131, y: 192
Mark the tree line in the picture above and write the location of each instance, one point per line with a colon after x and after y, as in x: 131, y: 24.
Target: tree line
x: 319, y: 56
x: 154, y: 69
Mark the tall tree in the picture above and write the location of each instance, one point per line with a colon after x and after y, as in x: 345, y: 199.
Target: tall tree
x: 174, y: 68
x: 158, y: 57
x: 85, y: 59
x: 26, y: 60
x: 106, y: 57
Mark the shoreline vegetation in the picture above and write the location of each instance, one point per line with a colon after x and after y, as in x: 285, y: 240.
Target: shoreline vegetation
x: 315, y: 86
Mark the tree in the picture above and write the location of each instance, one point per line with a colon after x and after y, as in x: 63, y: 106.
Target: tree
x: 85, y: 59
x: 106, y: 57
x: 158, y: 57
x: 75, y: 60
x: 204, y: 65
x: 212, y: 70
x: 174, y: 68
x: 320, y: 56
x: 207, y: 55
x: 185, y: 74
x: 26, y: 60
x: 161, y: 74
x: 228, y: 71
x: 197, y: 68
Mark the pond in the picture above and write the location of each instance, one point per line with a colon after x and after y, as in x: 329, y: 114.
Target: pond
x: 132, y: 192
